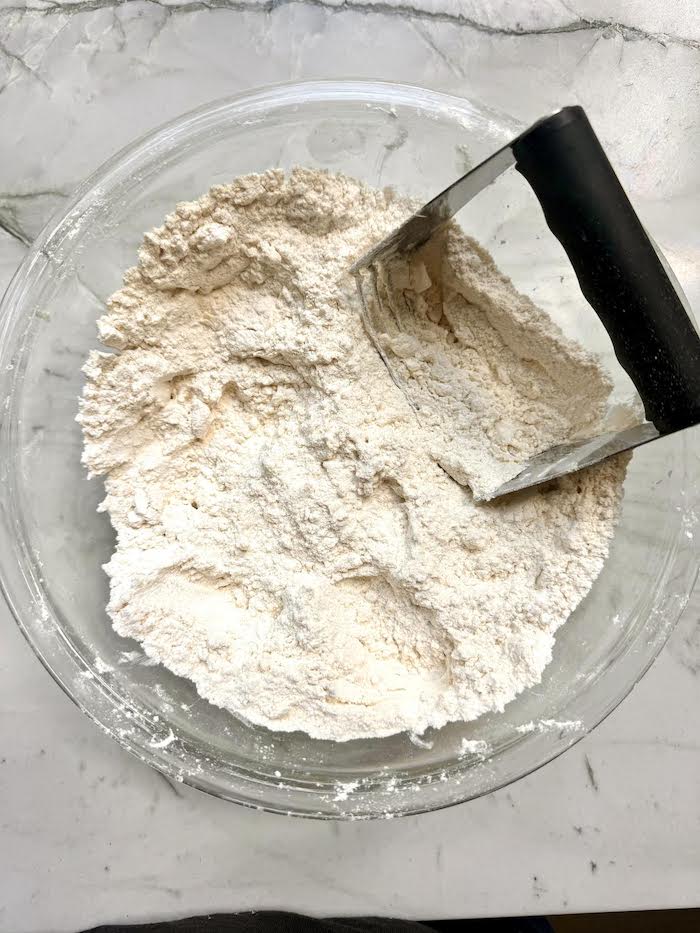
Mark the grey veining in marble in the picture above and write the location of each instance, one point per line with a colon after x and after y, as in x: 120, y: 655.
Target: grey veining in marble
x: 89, y: 835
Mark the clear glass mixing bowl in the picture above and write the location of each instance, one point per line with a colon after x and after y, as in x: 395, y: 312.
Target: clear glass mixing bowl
x: 53, y: 541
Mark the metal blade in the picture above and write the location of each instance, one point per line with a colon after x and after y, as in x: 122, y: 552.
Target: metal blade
x: 567, y: 458
x: 552, y: 463
x: 421, y: 226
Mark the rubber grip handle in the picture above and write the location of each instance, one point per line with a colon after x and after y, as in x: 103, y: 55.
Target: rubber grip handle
x: 616, y: 264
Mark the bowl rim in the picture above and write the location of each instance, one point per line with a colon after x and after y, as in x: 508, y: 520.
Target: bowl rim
x: 253, y: 99
x: 19, y: 584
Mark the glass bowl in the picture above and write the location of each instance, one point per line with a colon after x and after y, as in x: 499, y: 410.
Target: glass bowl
x: 53, y: 542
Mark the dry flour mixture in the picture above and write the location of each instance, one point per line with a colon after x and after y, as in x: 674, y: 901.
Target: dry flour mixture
x: 290, y: 536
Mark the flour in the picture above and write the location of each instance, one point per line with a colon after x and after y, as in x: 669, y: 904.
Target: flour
x: 289, y: 536
x: 494, y: 381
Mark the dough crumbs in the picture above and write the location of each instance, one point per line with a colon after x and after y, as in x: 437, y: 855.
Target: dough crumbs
x: 291, y: 534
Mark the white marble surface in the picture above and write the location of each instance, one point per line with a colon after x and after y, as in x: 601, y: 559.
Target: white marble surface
x: 89, y: 835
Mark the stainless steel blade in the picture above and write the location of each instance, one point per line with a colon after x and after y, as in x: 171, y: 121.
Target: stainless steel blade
x: 421, y: 225
x: 567, y: 458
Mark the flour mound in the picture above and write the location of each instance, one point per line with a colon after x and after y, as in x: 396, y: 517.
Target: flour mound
x: 288, y: 534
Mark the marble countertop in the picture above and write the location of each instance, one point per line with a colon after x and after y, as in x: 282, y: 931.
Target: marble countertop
x: 89, y: 834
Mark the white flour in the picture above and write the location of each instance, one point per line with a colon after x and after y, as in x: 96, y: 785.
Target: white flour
x: 286, y: 536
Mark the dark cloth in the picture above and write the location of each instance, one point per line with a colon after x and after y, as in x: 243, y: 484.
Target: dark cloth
x: 270, y: 921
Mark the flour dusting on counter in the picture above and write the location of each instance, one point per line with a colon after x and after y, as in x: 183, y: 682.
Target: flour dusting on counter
x: 290, y: 535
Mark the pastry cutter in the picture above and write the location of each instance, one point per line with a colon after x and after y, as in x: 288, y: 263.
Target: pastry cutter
x: 620, y: 272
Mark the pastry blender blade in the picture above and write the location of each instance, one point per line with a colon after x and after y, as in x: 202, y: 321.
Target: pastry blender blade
x: 622, y: 275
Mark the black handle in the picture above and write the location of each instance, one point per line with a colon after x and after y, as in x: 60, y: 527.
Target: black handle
x: 617, y: 267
